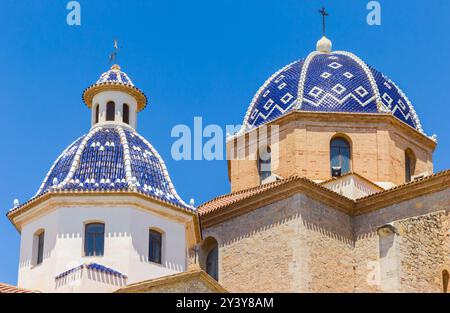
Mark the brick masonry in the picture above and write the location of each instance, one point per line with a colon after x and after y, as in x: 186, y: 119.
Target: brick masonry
x: 378, y: 151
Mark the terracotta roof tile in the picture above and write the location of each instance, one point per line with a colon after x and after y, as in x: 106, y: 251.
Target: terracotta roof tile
x: 4, y: 288
x: 234, y: 197
x: 228, y: 199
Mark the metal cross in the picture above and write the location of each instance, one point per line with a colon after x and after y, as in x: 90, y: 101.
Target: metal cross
x: 324, y: 15
x: 113, y: 55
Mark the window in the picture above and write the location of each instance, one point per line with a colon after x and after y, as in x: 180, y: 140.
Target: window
x: 110, y: 111
x: 410, y: 163
x: 155, y: 246
x: 39, y: 247
x: 126, y: 113
x: 212, y: 263
x: 340, y: 154
x: 445, y: 280
x: 264, y: 164
x: 94, y: 239
x: 96, y: 113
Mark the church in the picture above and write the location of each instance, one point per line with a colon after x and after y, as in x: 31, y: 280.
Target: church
x: 345, y: 200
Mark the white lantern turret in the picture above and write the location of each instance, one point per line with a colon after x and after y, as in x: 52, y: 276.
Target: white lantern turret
x: 114, y: 100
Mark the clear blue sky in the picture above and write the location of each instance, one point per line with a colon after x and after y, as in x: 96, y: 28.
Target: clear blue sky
x: 192, y: 58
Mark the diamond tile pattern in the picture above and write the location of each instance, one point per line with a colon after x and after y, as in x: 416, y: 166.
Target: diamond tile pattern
x: 339, y: 92
x: 271, y: 101
x: 394, y: 99
x: 336, y: 82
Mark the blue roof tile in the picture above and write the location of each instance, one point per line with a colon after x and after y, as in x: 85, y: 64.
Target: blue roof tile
x: 329, y: 82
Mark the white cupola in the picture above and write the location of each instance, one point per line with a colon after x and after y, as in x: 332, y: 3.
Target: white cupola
x: 114, y: 100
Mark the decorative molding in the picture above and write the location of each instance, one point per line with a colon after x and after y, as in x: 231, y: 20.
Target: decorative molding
x: 135, y: 92
x: 295, y: 184
x: 76, y: 159
x: 126, y: 157
x: 197, y: 274
x: 244, y: 126
x: 302, y: 80
x: 54, y: 164
x: 165, y: 171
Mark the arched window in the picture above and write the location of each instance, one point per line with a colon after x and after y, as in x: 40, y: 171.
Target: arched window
x: 155, y: 246
x: 38, y: 243
x: 410, y: 164
x: 340, y: 155
x: 94, y: 239
x: 445, y: 280
x: 126, y: 113
x: 212, y: 263
x: 264, y: 164
x: 96, y: 113
x: 110, y: 111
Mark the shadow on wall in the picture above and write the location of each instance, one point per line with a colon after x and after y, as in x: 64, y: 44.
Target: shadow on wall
x: 142, y: 250
x: 296, y: 211
x: 84, y: 275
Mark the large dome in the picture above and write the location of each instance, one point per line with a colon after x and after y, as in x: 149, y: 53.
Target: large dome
x: 112, y: 158
x: 329, y: 82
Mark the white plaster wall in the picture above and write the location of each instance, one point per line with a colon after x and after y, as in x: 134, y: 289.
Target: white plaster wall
x: 126, y: 244
x: 119, y: 98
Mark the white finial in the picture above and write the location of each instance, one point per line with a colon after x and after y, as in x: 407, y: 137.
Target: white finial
x: 16, y: 203
x: 55, y: 182
x: 434, y: 138
x: 192, y: 202
x: 324, y: 45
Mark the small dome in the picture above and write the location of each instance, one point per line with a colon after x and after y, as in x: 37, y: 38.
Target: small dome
x: 112, y: 159
x: 329, y: 82
x: 115, y: 79
x: 115, y: 75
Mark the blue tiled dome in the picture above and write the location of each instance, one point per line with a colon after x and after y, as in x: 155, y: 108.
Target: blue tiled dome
x: 329, y: 82
x: 112, y: 159
x: 115, y: 79
x: 115, y: 75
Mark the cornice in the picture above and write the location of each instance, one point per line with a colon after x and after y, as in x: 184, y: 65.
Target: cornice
x: 172, y: 279
x: 133, y: 91
x: 351, y: 119
x: 57, y: 198
x: 428, y: 185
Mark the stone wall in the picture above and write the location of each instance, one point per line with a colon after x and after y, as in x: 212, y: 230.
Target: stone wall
x: 193, y: 281
x: 294, y: 245
x: 300, y: 245
x: 188, y: 286
x: 424, y: 252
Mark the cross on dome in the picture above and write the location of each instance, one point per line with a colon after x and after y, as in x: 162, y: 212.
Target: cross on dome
x: 324, y: 44
x: 324, y: 14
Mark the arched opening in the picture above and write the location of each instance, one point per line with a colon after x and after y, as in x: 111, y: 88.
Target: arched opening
x: 340, y: 156
x: 38, y: 247
x: 445, y: 281
x: 410, y: 164
x: 209, y: 257
x: 264, y: 163
x: 110, y: 111
x: 155, y: 246
x: 126, y: 113
x: 97, y: 112
x: 212, y: 263
x: 94, y: 239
